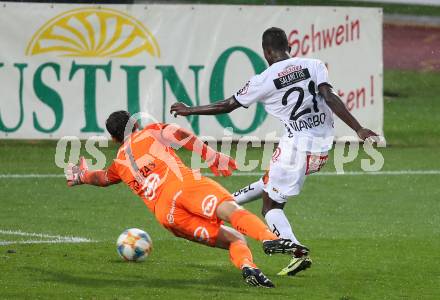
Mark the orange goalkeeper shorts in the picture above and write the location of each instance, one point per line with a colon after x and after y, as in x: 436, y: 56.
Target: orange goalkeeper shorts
x: 188, y: 209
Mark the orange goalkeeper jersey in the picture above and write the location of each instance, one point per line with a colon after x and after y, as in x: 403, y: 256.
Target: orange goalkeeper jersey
x: 148, y: 165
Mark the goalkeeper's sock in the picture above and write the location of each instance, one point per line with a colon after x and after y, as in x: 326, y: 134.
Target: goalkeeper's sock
x: 278, y: 224
x: 249, y: 193
x: 249, y: 224
x: 241, y: 255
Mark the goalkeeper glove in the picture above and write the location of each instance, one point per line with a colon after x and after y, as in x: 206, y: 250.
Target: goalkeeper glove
x: 75, y: 173
x: 221, y: 163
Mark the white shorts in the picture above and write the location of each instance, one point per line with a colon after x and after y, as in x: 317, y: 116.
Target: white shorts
x: 289, y: 168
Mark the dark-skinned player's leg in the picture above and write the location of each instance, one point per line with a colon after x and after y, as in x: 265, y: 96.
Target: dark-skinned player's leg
x: 250, y: 225
x: 300, y: 259
x: 269, y: 206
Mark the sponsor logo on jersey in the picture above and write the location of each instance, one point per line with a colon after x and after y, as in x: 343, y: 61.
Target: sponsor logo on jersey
x: 201, y: 234
x: 209, y: 205
x: 289, y: 69
x: 243, y: 90
x: 150, y: 185
x: 170, y: 215
x: 291, y: 78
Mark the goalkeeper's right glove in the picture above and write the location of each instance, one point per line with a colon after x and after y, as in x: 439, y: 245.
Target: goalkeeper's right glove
x: 75, y: 173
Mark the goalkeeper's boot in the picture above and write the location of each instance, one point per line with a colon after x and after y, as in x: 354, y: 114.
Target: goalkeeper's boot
x: 296, y: 265
x: 284, y: 246
x: 254, y: 277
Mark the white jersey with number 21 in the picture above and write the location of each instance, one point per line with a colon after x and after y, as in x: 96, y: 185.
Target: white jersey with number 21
x: 288, y: 89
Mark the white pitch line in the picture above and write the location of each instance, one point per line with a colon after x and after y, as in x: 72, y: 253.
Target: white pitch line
x: 348, y: 173
x: 54, y: 239
x: 398, y: 172
x: 20, y: 176
x: 63, y: 241
x: 34, y: 234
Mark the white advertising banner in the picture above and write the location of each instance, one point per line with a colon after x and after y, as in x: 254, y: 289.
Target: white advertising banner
x: 64, y: 68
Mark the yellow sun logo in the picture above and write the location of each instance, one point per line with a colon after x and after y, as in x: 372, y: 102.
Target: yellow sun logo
x: 93, y: 32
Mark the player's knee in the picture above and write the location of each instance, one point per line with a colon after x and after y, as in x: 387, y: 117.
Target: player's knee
x: 238, y: 237
x: 269, y: 205
x: 226, y: 209
x: 265, y: 209
x: 228, y: 235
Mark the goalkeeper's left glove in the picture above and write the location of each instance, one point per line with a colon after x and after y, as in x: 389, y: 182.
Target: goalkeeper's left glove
x: 75, y: 173
x: 220, y: 163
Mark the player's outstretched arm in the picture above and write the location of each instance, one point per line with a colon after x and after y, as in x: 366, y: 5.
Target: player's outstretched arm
x: 80, y: 174
x: 218, y: 162
x: 337, y: 106
x: 219, y: 107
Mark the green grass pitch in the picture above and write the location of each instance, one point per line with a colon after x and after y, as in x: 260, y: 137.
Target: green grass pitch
x: 371, y: 237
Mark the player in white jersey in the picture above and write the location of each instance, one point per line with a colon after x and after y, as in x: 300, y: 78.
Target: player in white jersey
x: 297, y: 92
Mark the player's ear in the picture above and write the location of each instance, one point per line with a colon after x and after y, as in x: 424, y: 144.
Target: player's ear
x: 267, y: 54
x: 289, y: 49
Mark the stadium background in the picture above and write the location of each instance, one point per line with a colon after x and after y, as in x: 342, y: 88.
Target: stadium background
x: 372, y: 236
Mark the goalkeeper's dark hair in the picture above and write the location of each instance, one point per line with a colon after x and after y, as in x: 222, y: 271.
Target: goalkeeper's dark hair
x: 116, y: 123
x: 276, y: 39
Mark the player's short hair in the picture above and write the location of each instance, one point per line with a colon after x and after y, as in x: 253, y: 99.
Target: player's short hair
x: 116, y: 123
x: 276, y: 39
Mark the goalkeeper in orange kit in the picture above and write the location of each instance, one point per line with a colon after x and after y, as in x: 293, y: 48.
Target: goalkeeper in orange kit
x: 189, y: 205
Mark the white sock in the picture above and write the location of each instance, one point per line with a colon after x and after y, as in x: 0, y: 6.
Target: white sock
x: 249, y: 193
x: 278, y: 223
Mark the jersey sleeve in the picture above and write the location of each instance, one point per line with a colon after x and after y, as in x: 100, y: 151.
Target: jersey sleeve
x: 155, y: 126
x: 251, y: 92
x: 322, y: 74
x: 156, y: 130
x: 112, y: 173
